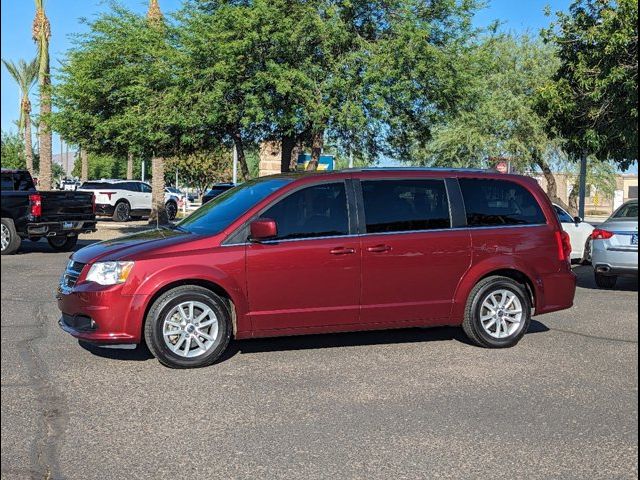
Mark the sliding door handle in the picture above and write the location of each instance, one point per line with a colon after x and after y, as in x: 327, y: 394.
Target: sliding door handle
x: 342, y: 251
x: 379, y: 249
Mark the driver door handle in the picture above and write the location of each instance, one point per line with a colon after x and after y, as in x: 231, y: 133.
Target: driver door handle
x: 379, y: 249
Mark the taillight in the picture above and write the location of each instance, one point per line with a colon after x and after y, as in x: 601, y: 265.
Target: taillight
x: 35, y: 202
x: 599, y: 234
x: 108, y: 194
x: 93, y: 203
x: 564, y: 246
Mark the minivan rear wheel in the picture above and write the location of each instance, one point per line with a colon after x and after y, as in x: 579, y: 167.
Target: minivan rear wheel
x: 188, y: 327
x: 498, y: 312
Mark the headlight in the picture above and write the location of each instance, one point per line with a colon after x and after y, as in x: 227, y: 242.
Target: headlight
x: 109, y: 273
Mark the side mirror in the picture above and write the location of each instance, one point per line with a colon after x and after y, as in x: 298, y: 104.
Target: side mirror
x: 263, y: 229
x: 577, y: 220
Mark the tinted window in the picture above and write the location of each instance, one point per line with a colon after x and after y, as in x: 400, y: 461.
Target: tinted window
x: 20, y: 181
x: 630, y: 210
x: 318, y: 211
x: 95, y: 185
x: 491, y: 203
x: 405, y: 205
x: 142, y: 187
x: 563, y: 216
x: 217, y: 214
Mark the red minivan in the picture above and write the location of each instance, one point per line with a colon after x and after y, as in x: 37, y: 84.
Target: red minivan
x: 307, y: 253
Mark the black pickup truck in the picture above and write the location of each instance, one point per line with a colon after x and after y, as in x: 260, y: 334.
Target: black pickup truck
x: 31, y: 214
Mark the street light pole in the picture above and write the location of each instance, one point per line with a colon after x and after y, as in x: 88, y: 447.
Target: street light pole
x: 583, y: 185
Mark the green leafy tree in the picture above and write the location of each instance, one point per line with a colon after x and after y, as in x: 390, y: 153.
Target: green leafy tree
x: 117, y: 92
x: 13, y: 154
x: 594, y: 102
x: 25, y: 74
x: 202, y: 169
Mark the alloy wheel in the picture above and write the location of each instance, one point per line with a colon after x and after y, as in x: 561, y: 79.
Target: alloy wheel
x: 6, y: 237
x: 190, y: 329
x: 501, y: 313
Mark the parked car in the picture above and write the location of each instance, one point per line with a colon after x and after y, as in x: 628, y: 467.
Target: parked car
x: 179, y: 194
x: 124, y: 200
x: 69, y: 184
x: 31, y: 214
x: 216, y: 190
x: 341, y: 251
x: 579, y: 232
x: 615, y: 246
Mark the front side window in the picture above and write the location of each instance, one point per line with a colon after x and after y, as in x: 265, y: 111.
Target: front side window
x: 217, y: 214
x: 497, y: 203
x: 144, y: 188
x: 405, y: 205
x: 317, y: 211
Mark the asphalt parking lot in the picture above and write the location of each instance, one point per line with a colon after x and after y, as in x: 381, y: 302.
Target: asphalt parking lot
x: 397, y: 404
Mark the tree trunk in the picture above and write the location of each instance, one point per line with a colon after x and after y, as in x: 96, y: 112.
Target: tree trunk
x: 28, y: 142
x: 84, y: 165
x: 129, y: 166
x: 286, y: 155
x: 45, y: 174
x: 317, y: 143
x: 158, y: 210
x: 573, y: 197
x: 242, y: 160
x: 552, y: 184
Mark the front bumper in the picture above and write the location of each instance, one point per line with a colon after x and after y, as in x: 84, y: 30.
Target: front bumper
x: 52, y: 229
x: 102, y: 316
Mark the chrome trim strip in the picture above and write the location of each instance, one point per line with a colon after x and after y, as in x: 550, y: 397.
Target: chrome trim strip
x: 405, y: 232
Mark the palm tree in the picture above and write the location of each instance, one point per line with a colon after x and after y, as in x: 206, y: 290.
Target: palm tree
x: 25, y: 74
x: 158, y: 210
x: 41, y: 35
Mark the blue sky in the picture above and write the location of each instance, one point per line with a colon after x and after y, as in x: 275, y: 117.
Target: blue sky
x: 64, y: 15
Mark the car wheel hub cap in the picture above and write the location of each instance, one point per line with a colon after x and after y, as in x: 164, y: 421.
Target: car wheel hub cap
x: 190, y: 329
x: 501, y: 314
x: 5, y: 237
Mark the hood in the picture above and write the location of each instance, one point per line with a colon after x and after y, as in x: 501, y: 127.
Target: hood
x: 147, y: 243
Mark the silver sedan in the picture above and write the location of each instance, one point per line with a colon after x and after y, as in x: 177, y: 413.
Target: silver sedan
x: 615, y: 246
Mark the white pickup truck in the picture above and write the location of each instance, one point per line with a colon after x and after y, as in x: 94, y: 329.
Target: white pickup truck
x: 125, y: 200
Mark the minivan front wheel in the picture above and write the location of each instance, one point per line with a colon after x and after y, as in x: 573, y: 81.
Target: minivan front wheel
x: 188, y: 327
x: 498, y: 312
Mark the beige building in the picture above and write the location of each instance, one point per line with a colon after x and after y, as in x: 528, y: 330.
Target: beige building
x: 597, y: 204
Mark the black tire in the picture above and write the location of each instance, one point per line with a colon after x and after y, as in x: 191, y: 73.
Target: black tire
x: 586, y: 255
x: 172, y: 210
x: 606, y: 281
x: 122, y: 211
x: 162, y: 307
x: 472, y: 325
x: 10, y: 239
x: 63, y: 244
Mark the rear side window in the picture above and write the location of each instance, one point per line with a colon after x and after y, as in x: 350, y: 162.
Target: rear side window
x: 496, y: 203
x: 630, y: 210
x: 405, y: 205
x: 20, y: 181
x: 317, y: 211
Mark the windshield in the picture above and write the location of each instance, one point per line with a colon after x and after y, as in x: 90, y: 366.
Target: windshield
x: 628, y: 211
x: 218, y: 213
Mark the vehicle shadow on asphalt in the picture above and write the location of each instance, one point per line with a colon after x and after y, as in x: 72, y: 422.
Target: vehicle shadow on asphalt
x: 586, y: 280
x: 313, y: 342
x: 42, y: 246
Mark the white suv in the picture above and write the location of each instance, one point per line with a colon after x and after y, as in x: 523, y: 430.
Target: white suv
x: 126, y: 199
